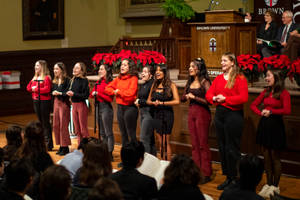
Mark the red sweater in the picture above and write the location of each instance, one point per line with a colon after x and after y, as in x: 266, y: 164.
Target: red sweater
x: 281, y: 106
x: 127, y: 86
x: 235, y: 96
x: 101, y: 96
x: 45, y: 89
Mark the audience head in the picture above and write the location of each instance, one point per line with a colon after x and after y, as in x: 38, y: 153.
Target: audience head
x: 79, y: 70
x: 96, y: 163
x: 128, y: 66
x: 269, y: 16
x: 275, y: 82
x: 14, y: 136
x: 229, y: 65
x: 55, y: 183
x: 287, y: 17
x: 132, y: 154
x: 85, y: 141
x: 105, y: 72
x: 251, y: 169
x: 183, y: 170
x: 105, y: 189
x: 41, y: 69
x: 1, y: 161
x: 18, y: 175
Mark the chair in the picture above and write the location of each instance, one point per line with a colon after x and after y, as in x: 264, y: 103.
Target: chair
x: 277, y: 196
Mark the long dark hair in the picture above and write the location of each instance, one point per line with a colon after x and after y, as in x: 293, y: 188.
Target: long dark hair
x: 201, y: 74
x: 132, y: 68
x: 278, y: 86
x: 96, y: 163
x: 63, y: 68
x: 166, y: 81
x: 109, y: 74
x: 182, y: 169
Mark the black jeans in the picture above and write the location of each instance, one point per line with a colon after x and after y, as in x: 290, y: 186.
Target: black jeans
x: 229, y: 128
x: 105, y: 122
x: 127, y: 118
x: 42, y: 109
x: 147, y: 130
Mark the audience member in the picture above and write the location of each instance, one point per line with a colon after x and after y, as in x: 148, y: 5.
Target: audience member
x: 18, y: 177
x: 181, y: 180
x: 1, y: 165
x: 292, y: 49
x: 105, y: 189
x: 13, y: 142
x: 251, y: 169
x: 132, y: 183
x: 55, y: 183
x: 283, y: 34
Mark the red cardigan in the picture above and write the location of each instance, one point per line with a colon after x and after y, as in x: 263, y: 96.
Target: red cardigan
x: 45, y: 89
x: 281, y: 106
x: 127, y: 86
x: 101, y: 96
x: 235, y: 96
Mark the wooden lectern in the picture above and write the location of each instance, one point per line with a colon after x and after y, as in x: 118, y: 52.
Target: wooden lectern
x: 223, y: 31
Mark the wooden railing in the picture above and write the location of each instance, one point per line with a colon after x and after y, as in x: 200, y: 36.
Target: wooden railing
x: 176, y: 50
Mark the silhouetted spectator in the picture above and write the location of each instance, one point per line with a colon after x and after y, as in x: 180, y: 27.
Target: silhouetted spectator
x: 105, y: 189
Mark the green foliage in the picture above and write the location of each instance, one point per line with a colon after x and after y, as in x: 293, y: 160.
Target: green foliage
x: 178, y: 9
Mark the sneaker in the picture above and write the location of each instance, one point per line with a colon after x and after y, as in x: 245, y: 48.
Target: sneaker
x: 224, y: 184
x: 64, y: 151
x: 271, y: 191
x: 59, y: 151
x: 264, y: 191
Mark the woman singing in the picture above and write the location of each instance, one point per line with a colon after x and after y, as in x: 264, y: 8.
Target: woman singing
x: 61, y: 110
x: 79, y: 93
x: 146, y: 111
x: 40, y: 87
x: 105, y: 111
x: 229, y: 91
x: 163, y: 96
x: 199, y: 115
x: 125, y: 88
x: 271, y: 131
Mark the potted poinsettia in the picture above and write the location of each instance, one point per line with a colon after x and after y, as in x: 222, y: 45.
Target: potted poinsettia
x: 249, y: 65
x: 295, y: 68
x: 151, y: 58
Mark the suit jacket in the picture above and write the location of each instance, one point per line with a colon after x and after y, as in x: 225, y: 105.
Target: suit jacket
x: 237, y: 194
x: 280, y: 31
x: 180, y: 191
x: 135, y: 185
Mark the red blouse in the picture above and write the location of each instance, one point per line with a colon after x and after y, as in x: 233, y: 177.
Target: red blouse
x: 235, y: 96
x: 281, y: 106
x: 127, y: 86
x: 101, y: 96
x: 45, y: 89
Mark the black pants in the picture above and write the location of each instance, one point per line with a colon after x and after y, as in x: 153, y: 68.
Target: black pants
x: 42, y: 109
x: 229, y: 128
x: 127, y: 119
x: 105, y: 122
x: 147, y: 130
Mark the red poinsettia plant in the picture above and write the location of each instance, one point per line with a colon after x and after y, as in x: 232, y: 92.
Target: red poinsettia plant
x: 279, y: 62
x: 249, y: 65
x: 114, y: 60
x: 295, y: 69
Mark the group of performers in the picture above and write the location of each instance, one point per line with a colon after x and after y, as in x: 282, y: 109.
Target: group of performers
x: 154, y: 100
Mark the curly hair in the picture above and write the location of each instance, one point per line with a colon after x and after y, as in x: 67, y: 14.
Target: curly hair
x: 182, y: 169
x: 132, y: 68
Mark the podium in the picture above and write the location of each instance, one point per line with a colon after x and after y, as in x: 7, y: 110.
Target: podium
x: 223, y: 31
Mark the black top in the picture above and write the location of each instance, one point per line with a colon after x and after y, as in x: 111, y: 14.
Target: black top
x: 237, y: 194
x: 63, y: 88
x: 143, y: 92
x: 7, y: 195
x: 269, y: 34
x: 162, y: 96
x: 80, y: 87
x: 135, y: 185
x: 180, y: 191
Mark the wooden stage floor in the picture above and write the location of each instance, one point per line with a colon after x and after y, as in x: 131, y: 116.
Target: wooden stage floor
x: 289, y: 186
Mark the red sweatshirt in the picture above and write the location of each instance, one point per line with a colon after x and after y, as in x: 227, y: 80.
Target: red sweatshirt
x: 127, y: 86
x: 235, y: 96
x: 45, y: 89
x: 101, y: 96
x: 280, y: 106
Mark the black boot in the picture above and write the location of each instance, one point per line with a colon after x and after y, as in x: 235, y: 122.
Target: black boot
x: 111, y: 157
x: 64, y: 151
x: 224, y: 184
x: 59, y: 151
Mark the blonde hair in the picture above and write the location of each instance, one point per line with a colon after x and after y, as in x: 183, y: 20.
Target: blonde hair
x: 235, y: 70
x: 62, y: 66
x: 44, y: 70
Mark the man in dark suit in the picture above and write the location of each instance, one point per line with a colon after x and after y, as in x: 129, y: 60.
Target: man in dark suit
x: 282, y: 35
x: 132, y: 183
